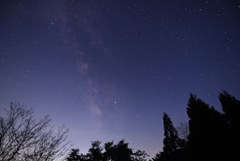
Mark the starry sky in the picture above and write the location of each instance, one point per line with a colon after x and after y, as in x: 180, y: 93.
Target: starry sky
x: 108, y: 69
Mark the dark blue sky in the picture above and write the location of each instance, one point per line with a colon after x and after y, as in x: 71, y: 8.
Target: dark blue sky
x: 109, y: 69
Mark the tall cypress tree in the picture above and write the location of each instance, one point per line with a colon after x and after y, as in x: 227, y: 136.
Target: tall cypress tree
x: 171, y: 140
x: 206, y: 128
x: 173, y: 145
x: 231, y: 109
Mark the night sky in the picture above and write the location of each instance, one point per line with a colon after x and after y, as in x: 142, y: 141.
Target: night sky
x: 108, y: 70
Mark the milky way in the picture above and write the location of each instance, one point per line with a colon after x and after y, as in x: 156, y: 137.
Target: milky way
x: 109, y: 69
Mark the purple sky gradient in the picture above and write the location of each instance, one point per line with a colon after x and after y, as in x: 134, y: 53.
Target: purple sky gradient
x: 109, y: 69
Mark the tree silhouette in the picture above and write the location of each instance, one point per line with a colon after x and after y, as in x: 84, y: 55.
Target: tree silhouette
x: 122, y: 152
x: 109, y: 151
x: 206, y: 127
x: 212, y: 135
x: 157, y: 157
x: 24, y: 138
x: 95, y: 152
x: 74, y: 155
x: 140, y: 156
x: 209, y: 136
x: 118, y: 152
x: 171, y: 143
x: 231, y: 109
x: 171, y: 135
